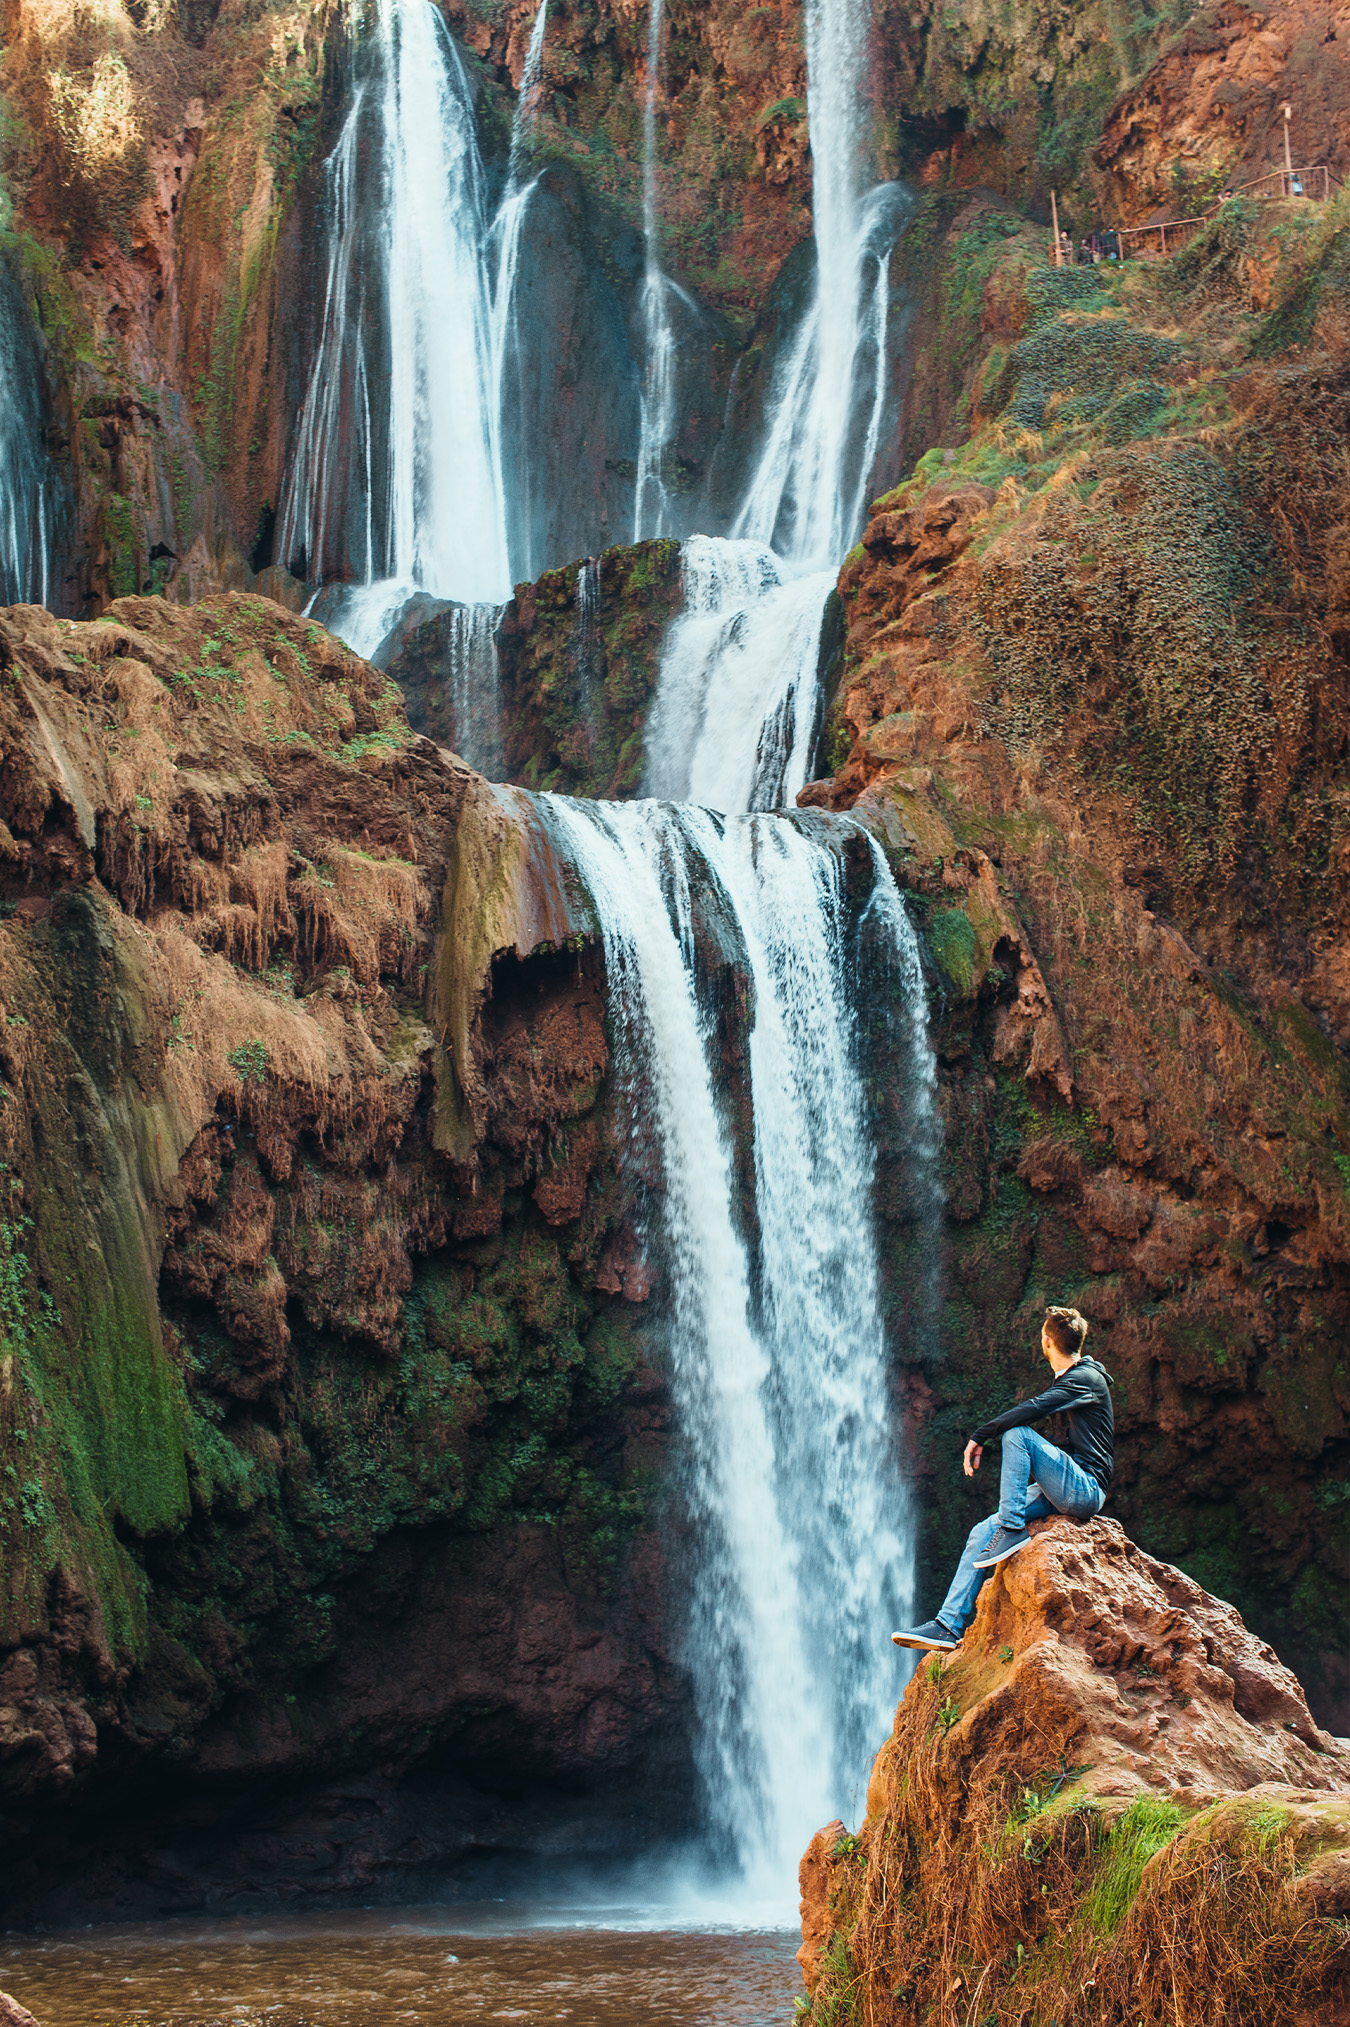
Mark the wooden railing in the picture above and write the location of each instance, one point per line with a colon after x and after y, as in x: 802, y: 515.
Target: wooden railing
x: 1168, y: 236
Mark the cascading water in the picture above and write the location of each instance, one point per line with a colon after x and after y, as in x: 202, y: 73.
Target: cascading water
x: 807, y: 493
x: 797, y: 1507
x: 657, y: 411
x: 751, y: 661
x: 798, y: 1510
x: 470, y: 638
x: 586, y: 638
x: 25, y: 480
x: 736, y: 712
x: 395, y: 482
x: 509, y: 392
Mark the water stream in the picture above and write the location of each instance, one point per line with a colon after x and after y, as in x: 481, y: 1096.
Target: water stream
x: 657, y: 410
x: 736, y: 714
x: 395, y: 482
x: 737, y: 711
x: 26, y: 506
x: 779, y: 1373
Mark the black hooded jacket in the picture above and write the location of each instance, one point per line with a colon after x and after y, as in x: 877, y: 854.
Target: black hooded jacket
x: 1083, y: 1393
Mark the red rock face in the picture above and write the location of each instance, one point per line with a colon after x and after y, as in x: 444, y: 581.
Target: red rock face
x: 350, y: 1369
x: 1002, y: 720
x: 1211, y: 110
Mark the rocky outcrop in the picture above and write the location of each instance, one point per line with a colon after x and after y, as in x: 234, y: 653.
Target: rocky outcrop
x: 1110, y: 1787
x: 575, y: 681
x: 1092, y: 699
x: 12, y: 2014
x: 315, y: 1351
x: 1210, y: 110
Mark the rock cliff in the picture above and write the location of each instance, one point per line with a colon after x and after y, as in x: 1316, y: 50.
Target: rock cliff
x: 1109, y: 1804
x: 1093, y: 698
x: 326, y: 1419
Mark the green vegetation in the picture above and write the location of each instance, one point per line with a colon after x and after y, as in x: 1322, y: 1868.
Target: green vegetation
x: 1147, y: 1827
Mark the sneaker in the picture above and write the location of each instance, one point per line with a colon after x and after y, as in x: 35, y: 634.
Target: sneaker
x: 1006, y: 1542
x: 931, y: 1637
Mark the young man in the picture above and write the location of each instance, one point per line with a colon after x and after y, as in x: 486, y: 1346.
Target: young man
x: 1038, y: 1478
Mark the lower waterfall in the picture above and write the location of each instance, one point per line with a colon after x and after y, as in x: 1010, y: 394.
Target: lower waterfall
x: 798, y: 1516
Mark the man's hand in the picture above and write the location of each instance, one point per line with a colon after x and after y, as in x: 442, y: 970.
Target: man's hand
x: 971, y: 1460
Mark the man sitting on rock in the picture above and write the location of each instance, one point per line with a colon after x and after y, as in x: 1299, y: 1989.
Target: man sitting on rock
x: 1038, y: 1478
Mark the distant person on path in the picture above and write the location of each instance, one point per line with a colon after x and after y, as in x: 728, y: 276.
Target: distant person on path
x: 1066, y: 249
x: 1038, y: 1478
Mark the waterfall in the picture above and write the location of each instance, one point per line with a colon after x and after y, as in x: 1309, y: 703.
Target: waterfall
x: 798, y: 1514
x: 736, y: 712
x: 657, y: 410
x: 395, y: 481
x: 586, y: 651
x: 527, y: 100
x: 473, y: 680
x: 807, y: 494
x: 504, y: 249
x: 25, y: 481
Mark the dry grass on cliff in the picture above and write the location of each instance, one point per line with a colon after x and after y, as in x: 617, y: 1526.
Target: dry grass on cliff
x: 989, y: 1895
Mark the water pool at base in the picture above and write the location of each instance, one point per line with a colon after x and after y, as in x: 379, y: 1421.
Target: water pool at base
x: 443, y: 1967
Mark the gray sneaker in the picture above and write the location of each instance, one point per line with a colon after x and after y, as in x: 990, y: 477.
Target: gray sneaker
x: 1006, y: 1542
x: 931, y: 1637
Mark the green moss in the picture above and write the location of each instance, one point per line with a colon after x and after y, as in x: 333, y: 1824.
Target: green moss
x: 951, y: 935
x: 118, y: 527
x: 1147, y: 1827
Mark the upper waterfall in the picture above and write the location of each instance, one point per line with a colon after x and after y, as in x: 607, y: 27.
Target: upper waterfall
x: 657, y: 406
x: 395, y: 481
x: 737, y: 715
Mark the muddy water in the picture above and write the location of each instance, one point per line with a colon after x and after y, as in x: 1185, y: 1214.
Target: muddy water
x: 454, y: 1967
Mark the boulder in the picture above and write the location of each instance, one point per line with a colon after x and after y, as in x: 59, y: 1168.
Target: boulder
x: 1109, y: 1772
x: 12, y: 2014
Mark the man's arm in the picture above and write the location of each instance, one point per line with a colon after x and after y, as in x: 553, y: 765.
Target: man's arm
x: 1063, y: 1394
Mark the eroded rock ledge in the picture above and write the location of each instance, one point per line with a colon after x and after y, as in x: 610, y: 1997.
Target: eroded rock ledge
x: 1110, y: 1804
x: 325, y: 1403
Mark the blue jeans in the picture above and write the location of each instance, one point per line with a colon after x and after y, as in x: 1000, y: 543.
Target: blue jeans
x: 1037, y: 1479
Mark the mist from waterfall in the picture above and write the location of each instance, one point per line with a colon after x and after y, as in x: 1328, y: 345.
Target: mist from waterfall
x: 796, y: 1504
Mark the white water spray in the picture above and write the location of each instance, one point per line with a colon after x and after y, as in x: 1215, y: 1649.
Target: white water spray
x: 776, y: 1340
x: 734, y: 720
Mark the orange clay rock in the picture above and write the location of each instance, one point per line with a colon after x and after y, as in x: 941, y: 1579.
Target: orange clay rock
x: 1107, y: 1739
